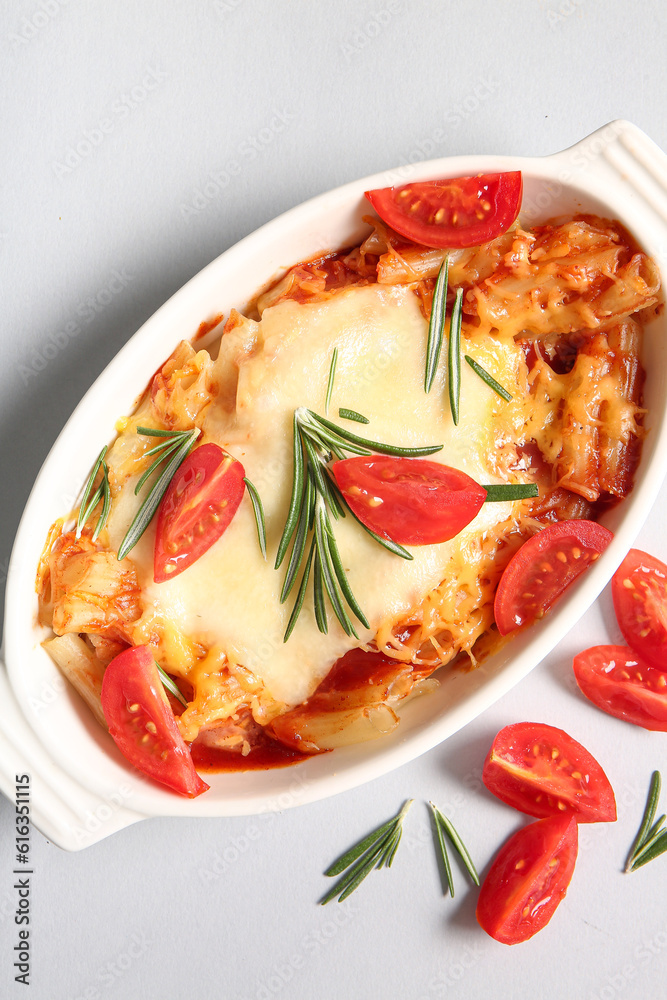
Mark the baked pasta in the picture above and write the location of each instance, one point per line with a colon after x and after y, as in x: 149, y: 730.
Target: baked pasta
x: 554, y: 314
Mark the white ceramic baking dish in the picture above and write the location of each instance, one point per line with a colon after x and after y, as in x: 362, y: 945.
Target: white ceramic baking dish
x: 82, y: 789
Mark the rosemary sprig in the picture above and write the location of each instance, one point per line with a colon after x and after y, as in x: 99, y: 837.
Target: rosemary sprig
x: 651, y: 839
x: 332, y: 375
x: 102, y: 492
x: 376, y: 850
x: 315, y: 500
x: 436, y: 325
x: 488, y: 378
x: 445, y: 828
x: 170, y: 685
x: 499, y: 492
x: 175, y: 452
x: 454, y: 355
x: 258, y: 509
x: 352, y: 415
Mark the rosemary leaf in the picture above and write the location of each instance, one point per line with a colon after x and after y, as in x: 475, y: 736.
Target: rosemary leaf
x: 352, y: 415
x: 397, y: 839
x: 106, y: 506
x: 454, y: 355
x: 332, y: 375
x: 375, y: 850
x: 458, y: 845
x: 85, y: 513
x: 158, y: 432
x: 352, y: 879
x: 444, y: 856
x: 488, y: 378
x: 394, y: 547
x: 654, y: 834
x: 389, y: 849
x: 92, y: 504
x: 170, y: 449
x: 375, y: 446
x: 657, y: 848
x: 258, y: 510
x: 145, y: 513
x: 647, y: 818
x: 510, y: 491
x: 343, y: 581
x: 436, y: 325
x: 297, y: 493
x: 170, y: 685
x: 345, y: 860
x: 299, y: 541
x: 301, y: 595
x: 323, y: 534
x: 318, y: 591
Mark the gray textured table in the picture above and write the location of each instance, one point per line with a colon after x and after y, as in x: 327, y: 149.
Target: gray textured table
x: 139, y: 141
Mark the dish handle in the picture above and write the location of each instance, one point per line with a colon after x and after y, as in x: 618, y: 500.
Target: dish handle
x: 631, y: 166
x: 66, y: 813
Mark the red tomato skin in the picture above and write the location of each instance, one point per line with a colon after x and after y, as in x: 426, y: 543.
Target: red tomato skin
x: 523, y: 887
x: 536, y: 576
x: 196, y: 510
x: 408, y: 500
x: 622, y: 684
x: 639, y: 592
x: 541, y: 784
x: 132, y: 679
x: 411, y: 209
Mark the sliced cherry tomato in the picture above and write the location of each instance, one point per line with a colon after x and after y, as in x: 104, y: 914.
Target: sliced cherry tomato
x: 639, y: 589
x: 197, y: 508
x: 543, y: 568
x: 458, y: 212
x: 621, y: 683
x: 408, y: 500
x: 542, y: 771
x: 142, y: 723
x: 527, y: 879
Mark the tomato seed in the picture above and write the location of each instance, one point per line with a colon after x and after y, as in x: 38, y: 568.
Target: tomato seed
x: 576, y: 553
x: 555, y: 753
x: 520, y: 864
x: 151, y: 727
x: 576, y: 775
x: 561, y: 557
x: 133, y: 708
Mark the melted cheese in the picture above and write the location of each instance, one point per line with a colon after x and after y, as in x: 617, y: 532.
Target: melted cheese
x: 230, y: 598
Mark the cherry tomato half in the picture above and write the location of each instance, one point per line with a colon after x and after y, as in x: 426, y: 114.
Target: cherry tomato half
x: 527, y: 879
x: 621, y: 683
x: 458, y: 212
x: 142, y: 723
x: 639, y: 590
x: 408, y: 500
x: 197, y: 508
x: 543, y: 568
x: 542, y: 771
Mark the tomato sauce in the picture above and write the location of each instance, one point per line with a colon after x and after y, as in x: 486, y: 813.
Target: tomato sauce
x: 266, y: 754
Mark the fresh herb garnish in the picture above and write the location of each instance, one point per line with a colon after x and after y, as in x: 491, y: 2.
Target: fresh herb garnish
x: 499, y: 492
x: 352, y: 415
x: 651, y: 839
x: 259, y: 514
x: 376, y: 850
x: 454, y: 355
x: 101, y: 494
x: 332, y: 374
x: 315, y: 500
x: 175, y: 448
x: 444, y: 828
x: 170, y: 685
x: 436, y: 325
x: 489, y: 379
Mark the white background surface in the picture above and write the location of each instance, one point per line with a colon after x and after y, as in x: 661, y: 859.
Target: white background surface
x: 205, y: 120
